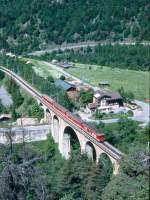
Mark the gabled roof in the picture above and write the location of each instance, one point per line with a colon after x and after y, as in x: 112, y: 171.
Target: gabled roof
x: 65, y: 65
x: 99, y: 94
x: 64, y: 85
x: 104, y: 83
x: 115, y: 95
x: 109, y: 94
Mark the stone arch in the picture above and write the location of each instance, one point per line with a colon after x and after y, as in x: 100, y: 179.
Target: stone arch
x: 90, y: 150
x: 106, y: 164
x: 48, y: 116
x: 55, y: 128
x: 71, y: 141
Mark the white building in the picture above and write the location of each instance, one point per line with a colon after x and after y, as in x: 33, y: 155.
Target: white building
x: 105, y: 101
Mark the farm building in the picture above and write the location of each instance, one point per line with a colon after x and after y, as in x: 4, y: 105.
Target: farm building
x: 69, y: 88
x: 104, y: 84
x: 65, y: 65
x: 65, y: 85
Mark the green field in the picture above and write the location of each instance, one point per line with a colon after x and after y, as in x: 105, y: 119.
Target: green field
x: 43, y: 69
x: 134, y: 81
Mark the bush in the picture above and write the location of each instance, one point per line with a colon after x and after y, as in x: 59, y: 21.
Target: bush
x: 62, y: 77
x: 98, y: 114
x: 130, y: 113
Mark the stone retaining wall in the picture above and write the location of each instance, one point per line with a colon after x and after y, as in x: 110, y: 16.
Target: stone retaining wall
x: 27, y: 134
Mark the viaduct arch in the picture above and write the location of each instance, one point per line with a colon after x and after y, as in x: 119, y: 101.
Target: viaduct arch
x: 90, y: 150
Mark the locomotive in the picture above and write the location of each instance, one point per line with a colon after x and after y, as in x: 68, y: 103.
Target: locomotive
x: 100, y: 137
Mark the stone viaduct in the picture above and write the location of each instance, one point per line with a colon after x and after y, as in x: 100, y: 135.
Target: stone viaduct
x: 63, y: 130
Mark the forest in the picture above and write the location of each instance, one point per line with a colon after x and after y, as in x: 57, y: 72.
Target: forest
x: 29, y: 25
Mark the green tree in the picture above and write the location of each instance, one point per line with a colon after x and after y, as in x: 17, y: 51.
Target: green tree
x: 132, y: 182
x: 13, y: 89
x: 62, y: 77
x: 2, y: 108
x: 68, y: 197
x: 2, y: 75
x: 36, y: 111
x: 62, y: 98
x: 127, y: 129
x: 98, y: 114
x: 14, y: 114
x: 50, y: 79
x: 85, y: 97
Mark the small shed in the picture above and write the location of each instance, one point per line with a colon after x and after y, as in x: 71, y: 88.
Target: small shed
x: 65, y: 65
x: 104, y: 84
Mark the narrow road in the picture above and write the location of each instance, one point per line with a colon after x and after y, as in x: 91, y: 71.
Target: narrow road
x: 63, y: 48
x: 84, y: 45
x: 144, y: 115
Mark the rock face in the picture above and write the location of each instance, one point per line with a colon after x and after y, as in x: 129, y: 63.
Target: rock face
x: 27, y: 121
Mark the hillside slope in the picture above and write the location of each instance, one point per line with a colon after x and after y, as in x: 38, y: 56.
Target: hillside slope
x: 31, y: 24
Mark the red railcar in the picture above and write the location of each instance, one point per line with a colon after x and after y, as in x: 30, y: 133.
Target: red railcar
x: 48, y: 100
x: 67, y: 115
x: 100, y: 137
x: 74, y: 120
x: 59, y: 109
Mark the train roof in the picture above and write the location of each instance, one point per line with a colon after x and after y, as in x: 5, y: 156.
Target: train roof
x: 73, y: 115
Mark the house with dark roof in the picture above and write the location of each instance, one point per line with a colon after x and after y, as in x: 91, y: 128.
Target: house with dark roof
x: 64, y: 85
x: 105, y: 101
x: 68, y: 87
x: 65, y: 65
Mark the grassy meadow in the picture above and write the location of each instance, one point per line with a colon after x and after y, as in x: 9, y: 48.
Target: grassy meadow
x: 131, y: 80
x: 134, y: 81
x: 43, y: 69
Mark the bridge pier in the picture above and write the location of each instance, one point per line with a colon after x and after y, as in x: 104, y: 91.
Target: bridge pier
x: 115, y: 166
x: 66, y: 147
x: 89, y: 152
x: 56, y: 131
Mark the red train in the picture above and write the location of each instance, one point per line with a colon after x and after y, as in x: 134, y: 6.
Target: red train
x: 67, y: 115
